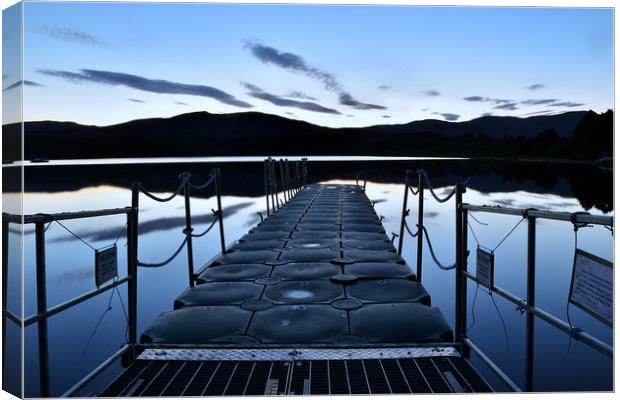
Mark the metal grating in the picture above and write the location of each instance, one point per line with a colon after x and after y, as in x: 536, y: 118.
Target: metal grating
x: 301, y: 377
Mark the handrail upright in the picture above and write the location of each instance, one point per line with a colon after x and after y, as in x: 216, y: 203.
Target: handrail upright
x: 459, y: 255
x: 420, y: 225
x: 531, y: 302
x: 5, y: 287
x: 220, y: 214
x: 188, y: 228
x: 265, y: 178
x: 42, y: 309
x: 132, y: 262
x: 404, y: 213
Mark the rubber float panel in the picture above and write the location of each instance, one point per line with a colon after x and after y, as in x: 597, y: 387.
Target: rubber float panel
x: 198, y: 325
x: 299, y: 324
x: 218, y: 293
x: 234, y: 272
x: 400, y: 322
x: 319, y: 270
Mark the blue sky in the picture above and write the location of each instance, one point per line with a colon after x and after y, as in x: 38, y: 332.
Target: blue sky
x: 105, y: 63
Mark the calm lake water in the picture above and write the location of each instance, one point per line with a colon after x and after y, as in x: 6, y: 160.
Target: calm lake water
x: 82, y: 337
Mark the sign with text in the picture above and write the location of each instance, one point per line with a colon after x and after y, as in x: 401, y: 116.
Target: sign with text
x: 106, y: 267
x: 591, y: 287
x: 484, y: 268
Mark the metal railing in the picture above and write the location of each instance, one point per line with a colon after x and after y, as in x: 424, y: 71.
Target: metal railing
x: 293, y: 176
x: 527, y: 305
x: 127, y: 351
x: 44, y: 312
x: 185, y: 187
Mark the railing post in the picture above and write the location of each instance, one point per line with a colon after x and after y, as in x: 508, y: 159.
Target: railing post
x: 188, y: 228
x: 42, y: 308
x: 304, y: 165
x: 266, y: 185
x: 464, y: 349
x: 282, y: 179
x: 270, y: 179
x: 274, y: 188
x: 404, y: 213
x: 5, y: 287
x: 531, y: 295
x: 218, y: 193
x: 132, y: 263
x: 287, y: 176
x: 420, y: 226
x: 458, y: 284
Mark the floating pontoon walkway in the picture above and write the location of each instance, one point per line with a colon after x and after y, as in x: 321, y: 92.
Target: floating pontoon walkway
x: 314, y: 300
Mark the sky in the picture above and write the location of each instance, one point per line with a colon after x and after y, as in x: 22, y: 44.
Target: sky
x: 106, y: 63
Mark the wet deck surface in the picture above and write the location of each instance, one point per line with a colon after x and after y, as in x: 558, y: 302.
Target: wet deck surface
x: 319, y: 270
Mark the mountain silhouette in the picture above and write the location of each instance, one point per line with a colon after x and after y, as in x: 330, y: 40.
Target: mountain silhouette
x: 254, y: 133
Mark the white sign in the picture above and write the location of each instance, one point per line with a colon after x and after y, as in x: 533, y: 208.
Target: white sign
x: 106, y: 267
x: 484, y: 268
x: 591, y: 287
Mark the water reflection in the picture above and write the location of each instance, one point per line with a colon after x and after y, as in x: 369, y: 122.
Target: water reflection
x: 160, y: 224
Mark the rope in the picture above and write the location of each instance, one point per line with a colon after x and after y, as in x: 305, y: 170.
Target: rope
x: 430, y: 247
x: 120, y: 233
x: 76, y: 236
x: 430, y: 187
x: 123, y: 307
x: 473, y: 309
x: 477, y: 220
x: 209, y: 181
x: 474, y: 234
x: 184, y: 179
x: 161, y: 264
x: 503, y: 323
x: 509, y: 233
x: 413, y: 192
x: 409, y: 230
x: 197, y: 235
x: 94, y: 331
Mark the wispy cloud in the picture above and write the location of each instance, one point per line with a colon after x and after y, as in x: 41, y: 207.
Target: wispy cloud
x: 19, y: 83
x: 136, y: 100
x: 544, y: 112
x: 536, y: 86
x: 431, y: 93
x: 384, y: 87
x: 449, y: 116
x: 298, y: 94
x: 535, y: 102
x: 386, y: 116
x: 295, y: 63
x: 507, y: 104
x: 348, y: 100
x: 70, y: 35
x: 567, y: 104
x: 259, y: 93
x: 180, y: 103
x: 159, y: 86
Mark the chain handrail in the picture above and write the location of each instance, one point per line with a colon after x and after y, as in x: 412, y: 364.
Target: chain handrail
x: 184, y: 178
x: 209, y: 181
x: 167, y: 261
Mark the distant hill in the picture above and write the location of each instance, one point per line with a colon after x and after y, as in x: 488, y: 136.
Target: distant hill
x: 253, y: 133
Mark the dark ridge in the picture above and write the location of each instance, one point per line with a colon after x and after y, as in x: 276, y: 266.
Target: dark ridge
x: 254, y: 133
